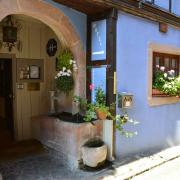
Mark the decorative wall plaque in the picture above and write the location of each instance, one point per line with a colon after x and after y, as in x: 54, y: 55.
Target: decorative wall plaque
x: 51, y: 47
x: 163, y: 27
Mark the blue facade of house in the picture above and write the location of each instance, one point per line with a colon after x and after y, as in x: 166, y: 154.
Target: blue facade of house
x: 159, y: 125
x: 78, y: 20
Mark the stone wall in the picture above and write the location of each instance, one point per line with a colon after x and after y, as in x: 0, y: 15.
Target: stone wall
x: 64, y: 139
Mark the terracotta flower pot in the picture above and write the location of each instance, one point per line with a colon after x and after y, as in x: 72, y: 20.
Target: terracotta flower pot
x: 101, y: 114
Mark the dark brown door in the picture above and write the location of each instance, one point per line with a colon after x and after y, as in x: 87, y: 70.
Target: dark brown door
x: 6, y: 93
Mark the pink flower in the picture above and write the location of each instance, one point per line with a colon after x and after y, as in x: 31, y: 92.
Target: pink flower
x: 162, y: 68
x: 91, y: 87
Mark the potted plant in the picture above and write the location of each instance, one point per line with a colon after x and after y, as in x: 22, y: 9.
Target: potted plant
x: 165, y: 83
x: 97, y: 110
x: 102, y: 111
x: 94, y: 152
x: 86, y: 109
x: 65, y: 67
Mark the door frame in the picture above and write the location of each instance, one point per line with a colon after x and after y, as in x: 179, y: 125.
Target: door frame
x: 111, y: 17
x: 13, y: 59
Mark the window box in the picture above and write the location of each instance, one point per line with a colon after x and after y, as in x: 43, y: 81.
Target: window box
x: 158, y: 93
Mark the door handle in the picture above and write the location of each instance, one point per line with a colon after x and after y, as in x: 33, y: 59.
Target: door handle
x: 11, y: 96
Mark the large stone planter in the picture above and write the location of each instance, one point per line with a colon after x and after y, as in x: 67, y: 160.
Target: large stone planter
x: 64, y: 139
x: 94, y: 156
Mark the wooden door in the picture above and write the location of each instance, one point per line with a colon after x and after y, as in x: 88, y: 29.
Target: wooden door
x: 6, y: 91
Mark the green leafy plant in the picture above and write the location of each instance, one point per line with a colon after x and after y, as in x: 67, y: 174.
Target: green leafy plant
x: 91, y: 112
x: 121, y: 121
x: 159, y: 80
x: 88, y: 109
x: 65, y: 84
x: 172, y: 88
x: 166, y: 82
x: 65, y: 66
x: 100, y: 96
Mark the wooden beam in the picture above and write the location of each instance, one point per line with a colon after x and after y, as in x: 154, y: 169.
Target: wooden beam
x: 111, y: 55
x: 147, y: 10
x: 88, y: 7
x: 111, y: 62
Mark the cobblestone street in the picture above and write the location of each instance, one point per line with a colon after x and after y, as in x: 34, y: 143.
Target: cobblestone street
x: 41, y: 167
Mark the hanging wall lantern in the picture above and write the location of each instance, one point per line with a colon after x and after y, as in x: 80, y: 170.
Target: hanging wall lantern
x: 10, y: 30
x: 125, y: 100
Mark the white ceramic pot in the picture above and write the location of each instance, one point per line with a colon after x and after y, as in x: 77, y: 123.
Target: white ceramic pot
x: 92, y: 156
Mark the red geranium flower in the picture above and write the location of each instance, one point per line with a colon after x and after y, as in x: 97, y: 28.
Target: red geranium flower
x: 91, y: 87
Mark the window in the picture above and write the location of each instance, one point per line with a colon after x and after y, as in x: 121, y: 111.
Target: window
x: 176, y: 7
x: 165, y: 4
x: 101, y: 55
x: 98, y: 39
x: 167, y: 63
x: 150, y: 1
x: 97, y: 61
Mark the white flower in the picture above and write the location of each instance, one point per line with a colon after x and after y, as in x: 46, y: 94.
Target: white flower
x: 165, y: 75
x: 69, y: 71
x: 64, y: 68
x: 162, y: 68
x: 157, y: 66
x: 171, y: 73
x: 71, y: 61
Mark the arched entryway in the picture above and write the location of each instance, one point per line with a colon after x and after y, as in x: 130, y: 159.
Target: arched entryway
x: 59, y: 23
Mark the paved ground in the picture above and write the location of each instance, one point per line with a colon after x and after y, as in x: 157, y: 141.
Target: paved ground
x: 40, y: 167
x: 167, y: 171
x: 29, y: 161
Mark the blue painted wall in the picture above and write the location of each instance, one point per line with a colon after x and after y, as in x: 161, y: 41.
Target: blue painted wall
x: 159, y: 126
x: 162, y: 3
x: 77, y: 19
x: 176, y: 7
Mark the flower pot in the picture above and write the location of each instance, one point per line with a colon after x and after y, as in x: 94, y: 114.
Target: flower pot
x: 101, y: 114
x: 94, y: 155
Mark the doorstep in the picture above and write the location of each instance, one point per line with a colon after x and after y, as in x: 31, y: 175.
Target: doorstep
x: 132, y: 169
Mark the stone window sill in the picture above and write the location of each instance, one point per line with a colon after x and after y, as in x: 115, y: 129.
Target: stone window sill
x: 158, y: 101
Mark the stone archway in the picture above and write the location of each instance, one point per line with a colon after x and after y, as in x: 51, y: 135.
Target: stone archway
x: 59, y: 23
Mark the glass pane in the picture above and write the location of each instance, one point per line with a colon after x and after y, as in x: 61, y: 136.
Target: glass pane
x: 176, y: 7
x: 98, y: 40
x: 149, y: 1
x: 173, y: 63
x: 162, y: 3
x: 166, y: 62
x: 98, y: 76
x: 157, y: 61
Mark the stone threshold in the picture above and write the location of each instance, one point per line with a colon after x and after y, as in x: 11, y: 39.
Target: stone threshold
x: 137, y: 167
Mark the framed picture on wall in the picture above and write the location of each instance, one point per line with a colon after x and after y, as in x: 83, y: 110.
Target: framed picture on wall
x: 34, y: 72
